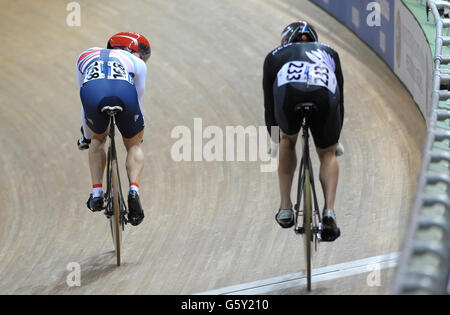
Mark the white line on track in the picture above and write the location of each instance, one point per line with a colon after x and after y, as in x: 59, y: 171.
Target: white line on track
x: 352, y: 268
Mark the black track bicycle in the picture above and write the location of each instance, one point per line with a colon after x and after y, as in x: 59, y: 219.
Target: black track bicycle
x: 308, y: 221
x: 116, y: 209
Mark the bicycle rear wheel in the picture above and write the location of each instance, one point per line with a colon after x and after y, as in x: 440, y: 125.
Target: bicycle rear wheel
x: 308, y: 227
x: 115, y: 219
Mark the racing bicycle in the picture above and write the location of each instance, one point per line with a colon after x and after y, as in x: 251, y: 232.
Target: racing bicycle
x: 116, y: 209
x: 308, y: 221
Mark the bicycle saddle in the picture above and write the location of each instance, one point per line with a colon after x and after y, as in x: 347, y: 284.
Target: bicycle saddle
x: 111, y: 105
x: 112, y: 110
x: 305, y: 106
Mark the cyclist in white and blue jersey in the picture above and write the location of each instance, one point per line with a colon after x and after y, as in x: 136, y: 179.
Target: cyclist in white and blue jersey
x: 115, y: 77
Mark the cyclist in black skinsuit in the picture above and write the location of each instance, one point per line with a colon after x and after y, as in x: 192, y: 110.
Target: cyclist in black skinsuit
x: 305, y: 70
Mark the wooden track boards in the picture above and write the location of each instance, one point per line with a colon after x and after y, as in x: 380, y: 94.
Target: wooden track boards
x: 208, y: 225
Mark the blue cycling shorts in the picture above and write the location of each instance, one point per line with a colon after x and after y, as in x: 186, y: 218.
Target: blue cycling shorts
x: 99, y: 93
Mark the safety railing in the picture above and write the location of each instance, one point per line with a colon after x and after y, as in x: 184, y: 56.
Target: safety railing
x: 424, y: 266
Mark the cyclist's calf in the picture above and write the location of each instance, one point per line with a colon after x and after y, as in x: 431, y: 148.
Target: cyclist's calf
x: 135, y: 141
x: 329, y: 174
x: 324, y: 152
x: 292, y: 140
x: 135, y: 157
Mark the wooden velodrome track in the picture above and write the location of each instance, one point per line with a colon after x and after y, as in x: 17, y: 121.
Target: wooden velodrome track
x: 208, y: 225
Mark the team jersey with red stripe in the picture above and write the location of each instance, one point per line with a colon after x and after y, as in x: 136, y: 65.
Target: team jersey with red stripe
x: 121, y: 65
x: 128, y: 67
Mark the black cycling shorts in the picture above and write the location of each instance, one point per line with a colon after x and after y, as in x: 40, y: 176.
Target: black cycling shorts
x: 325, y: 123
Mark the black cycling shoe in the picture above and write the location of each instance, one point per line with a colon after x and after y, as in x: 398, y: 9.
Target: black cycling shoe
x: 330, y: 231
x: 285, y: 218
x: 135, y: 214
x: 95, y: 204
x: 83, y: 143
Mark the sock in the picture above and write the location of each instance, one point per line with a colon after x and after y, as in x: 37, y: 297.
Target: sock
x: 134, y: 187
x: 97, y: 191
x: 329, y: 213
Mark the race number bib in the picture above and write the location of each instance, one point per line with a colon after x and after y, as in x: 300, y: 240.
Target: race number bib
x: 294, y: 71
x: 117, y: 71
x: 94, y: 72
x: 114, y: 71
x: 309, y: 73
x: 321, y: 75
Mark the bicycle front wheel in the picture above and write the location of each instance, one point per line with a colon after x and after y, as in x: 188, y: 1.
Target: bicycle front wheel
x: 308, y: 227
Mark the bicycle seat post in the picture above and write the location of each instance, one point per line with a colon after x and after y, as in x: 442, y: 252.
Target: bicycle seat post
x: 112, y: 111
x: 305, y: 109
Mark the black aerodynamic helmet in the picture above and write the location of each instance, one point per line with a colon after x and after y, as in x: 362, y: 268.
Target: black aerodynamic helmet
x: 299, y: 32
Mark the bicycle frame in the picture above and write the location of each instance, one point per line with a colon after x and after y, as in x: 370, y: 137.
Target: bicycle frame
x: 115, y: 205
x: 312, y: 221
x: 112, y: 156
x: 306, y: 164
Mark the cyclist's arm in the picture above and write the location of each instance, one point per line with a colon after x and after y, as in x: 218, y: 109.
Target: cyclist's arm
x: 340, y: 78
x: 79, y: 79
x: 79, y: 74
x: 269, y: 106
x: 139, y: 78
x: 86, y: 132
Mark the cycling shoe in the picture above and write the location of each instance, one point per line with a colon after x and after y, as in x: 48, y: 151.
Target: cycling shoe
x: 136, y: 214
x: 285, y: 218
x: 95, y: 204
x: 330, y: 230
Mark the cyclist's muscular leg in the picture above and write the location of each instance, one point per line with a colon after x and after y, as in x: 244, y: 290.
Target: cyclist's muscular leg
x: 286, y: 169
x: 135, y: 157
x: 329, y: 174
x: 135, y: 166
x: 97, y: 162
x: 97, y: 157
